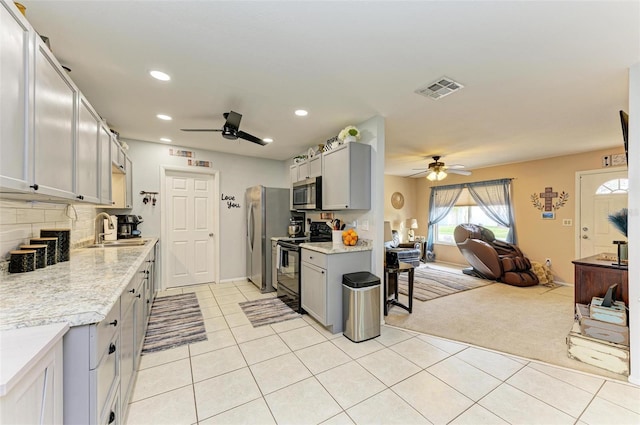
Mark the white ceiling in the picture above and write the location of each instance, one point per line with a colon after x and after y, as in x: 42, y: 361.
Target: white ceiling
x: 541, y: 78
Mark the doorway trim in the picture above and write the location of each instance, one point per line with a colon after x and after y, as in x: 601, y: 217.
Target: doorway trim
x: 216, y: 216
x: 578, y: 190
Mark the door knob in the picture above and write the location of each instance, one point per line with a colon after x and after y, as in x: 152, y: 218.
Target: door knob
x: 211, y: 234
x: 585, y: 237
x: 584, y: 229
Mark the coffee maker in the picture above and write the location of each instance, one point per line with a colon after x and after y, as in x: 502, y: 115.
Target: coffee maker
x: 128, y: 226
x: 296, y: 225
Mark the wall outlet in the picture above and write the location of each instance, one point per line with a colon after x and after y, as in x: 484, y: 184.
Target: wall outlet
x: 567, y: 222
x: 606, y: 161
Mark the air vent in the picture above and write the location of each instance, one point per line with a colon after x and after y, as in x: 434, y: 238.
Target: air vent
x: 440, y: 88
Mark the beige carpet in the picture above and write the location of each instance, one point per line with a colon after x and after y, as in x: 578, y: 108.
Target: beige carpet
x: 528, y: 322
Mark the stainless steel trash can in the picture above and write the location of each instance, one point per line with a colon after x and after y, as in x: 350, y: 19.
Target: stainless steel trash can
x: 360, y: 306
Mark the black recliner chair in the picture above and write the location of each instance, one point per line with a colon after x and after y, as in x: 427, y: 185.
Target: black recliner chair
x: 491, y: 258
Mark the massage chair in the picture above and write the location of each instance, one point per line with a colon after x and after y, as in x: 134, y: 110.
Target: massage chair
x: 491, y: 258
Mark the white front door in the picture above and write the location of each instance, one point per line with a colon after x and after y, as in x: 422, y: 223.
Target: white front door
x: 189, y: 228
x: 601, y: 194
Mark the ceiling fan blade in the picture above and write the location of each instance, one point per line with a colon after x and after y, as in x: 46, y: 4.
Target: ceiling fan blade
x: 455, y: 166
x: 200, y: 129
x: 419, y: 172
x: 461, y: 172
x: 233, y: 119
x: 423, y: 169
x: 251, y: 138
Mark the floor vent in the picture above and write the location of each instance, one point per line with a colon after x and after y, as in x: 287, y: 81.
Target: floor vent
x: 440, y: 88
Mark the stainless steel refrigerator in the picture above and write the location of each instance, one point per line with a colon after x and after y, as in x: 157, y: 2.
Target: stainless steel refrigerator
x: 267, y: 216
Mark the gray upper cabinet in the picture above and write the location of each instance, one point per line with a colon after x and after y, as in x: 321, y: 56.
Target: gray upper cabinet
x: 88, y: 154
x: 14, y: 68
x: 346, y: 177
x: 55, y: 98
x: 105, y: 165
x: 50, y: 136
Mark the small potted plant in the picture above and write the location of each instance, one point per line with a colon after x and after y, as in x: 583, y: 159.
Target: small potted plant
x: 619, y: 221
x: 349, y: 134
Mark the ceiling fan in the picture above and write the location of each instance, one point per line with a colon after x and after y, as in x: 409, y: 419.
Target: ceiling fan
x: 231, y: 129
x: 437, y: 170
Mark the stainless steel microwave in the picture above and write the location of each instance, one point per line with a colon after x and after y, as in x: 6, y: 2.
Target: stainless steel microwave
x: 307, y: 194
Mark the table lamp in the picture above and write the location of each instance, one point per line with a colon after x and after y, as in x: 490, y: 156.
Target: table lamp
x: 388, y: 236
x: 412, y: 224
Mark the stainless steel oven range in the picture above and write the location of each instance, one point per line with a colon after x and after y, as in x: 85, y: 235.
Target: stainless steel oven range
x: 288, y: 269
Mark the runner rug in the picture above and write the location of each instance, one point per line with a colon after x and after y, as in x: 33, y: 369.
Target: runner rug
x: 175, y: 320
x: 431, y: 283
x: 267, y: 311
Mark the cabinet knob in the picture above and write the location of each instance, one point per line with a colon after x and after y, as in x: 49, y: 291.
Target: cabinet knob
x: 114, y: 323
x: 112, y: 348
x: 80, y: 197
x: 133, y: 291
x: 34, y: 186
x: 322, y: 272
x: 138, y: 296
x: 112, y: 417
x: 585, y: 237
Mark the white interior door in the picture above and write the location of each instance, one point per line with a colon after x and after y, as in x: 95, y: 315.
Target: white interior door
x: 601, y: 194
x: 189, y: 228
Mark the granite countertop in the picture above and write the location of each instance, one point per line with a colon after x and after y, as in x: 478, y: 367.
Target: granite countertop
x: 330, y: 248
x: 79, y: 292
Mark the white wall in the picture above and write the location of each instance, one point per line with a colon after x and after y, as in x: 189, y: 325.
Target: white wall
x: 634, y: 221
x: 236, y: 174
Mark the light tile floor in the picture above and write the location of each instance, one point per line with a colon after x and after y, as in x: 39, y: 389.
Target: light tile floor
x: 295, y: 372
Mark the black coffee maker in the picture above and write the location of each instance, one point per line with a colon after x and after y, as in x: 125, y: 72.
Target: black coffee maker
x: 128, y: 226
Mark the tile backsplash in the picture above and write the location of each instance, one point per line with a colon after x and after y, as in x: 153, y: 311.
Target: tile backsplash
x: 21, y: 220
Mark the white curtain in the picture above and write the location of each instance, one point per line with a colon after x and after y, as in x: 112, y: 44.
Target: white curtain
x: 441, y: 202
x: 494, y: 198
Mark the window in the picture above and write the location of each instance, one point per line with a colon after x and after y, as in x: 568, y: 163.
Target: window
x: 466, y: 211
x: 615, y: 186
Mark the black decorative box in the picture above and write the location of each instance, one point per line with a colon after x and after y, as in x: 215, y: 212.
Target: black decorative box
x: 64, y: 241
x: 22, y: 261
x: 41, y: 254
x: 52, y: 248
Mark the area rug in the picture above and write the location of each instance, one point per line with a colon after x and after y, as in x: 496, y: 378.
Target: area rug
x: 174, y: 321
x: 267, y: 311
x: 431, y: 283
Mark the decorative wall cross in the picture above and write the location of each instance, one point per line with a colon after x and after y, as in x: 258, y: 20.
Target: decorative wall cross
x: 548, y: 196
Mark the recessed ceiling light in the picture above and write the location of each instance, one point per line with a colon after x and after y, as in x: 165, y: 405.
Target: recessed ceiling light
x: 164, y: 117
x: 267, y: 140
x: 165, y: 139
x: 159, y: 75
x: 301, y: 113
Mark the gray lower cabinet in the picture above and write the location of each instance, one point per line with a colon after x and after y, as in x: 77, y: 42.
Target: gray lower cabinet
x: 101, y: 359
x: 321, y: 283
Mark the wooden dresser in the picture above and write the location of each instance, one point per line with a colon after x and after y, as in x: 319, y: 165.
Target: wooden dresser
x: 593, y: 277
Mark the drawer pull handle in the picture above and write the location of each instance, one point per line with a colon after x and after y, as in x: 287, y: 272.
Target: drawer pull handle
x: 114, y: 323
x: 112, y: 417
x: 133, y: 291
x: 112, y: 348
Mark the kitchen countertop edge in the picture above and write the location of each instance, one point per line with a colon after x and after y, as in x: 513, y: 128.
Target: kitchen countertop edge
x: 93, y: 283
x: 330, y: 248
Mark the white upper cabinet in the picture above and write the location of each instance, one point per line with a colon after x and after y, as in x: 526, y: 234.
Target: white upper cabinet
x: 88, y: 154
x: 346, y: 177
x: 14, y: 87
x: 55, y: 98
x: 307, y: 169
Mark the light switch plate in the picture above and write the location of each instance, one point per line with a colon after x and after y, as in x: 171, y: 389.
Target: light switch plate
x: 364, y: 224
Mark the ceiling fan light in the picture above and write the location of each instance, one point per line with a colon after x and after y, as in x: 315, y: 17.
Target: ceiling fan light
x: 437, y: 176
x: 267, y: 140
x: 159, y: 75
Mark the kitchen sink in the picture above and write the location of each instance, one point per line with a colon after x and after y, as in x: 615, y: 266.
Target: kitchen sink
x: 120, y: 243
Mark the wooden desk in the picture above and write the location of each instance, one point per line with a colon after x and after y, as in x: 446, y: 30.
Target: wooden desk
x: 593, y: 277
x: 391, y: 275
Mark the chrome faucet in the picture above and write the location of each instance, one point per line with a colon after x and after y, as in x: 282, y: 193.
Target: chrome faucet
x: 98, y: 237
